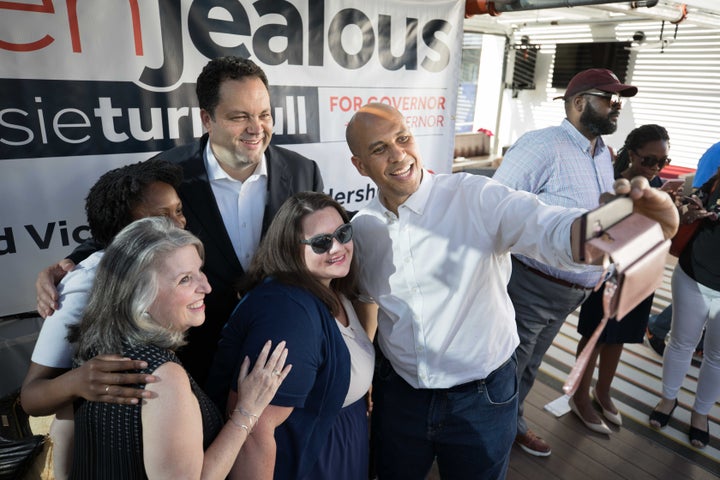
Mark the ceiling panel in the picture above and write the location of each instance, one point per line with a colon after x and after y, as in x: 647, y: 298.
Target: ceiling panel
x: 703, y: 13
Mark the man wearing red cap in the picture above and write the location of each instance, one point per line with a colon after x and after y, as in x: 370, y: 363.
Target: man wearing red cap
x: 568, y: 165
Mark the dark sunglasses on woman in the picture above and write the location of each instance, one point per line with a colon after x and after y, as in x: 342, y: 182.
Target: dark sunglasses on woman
x: 323, y: 243
x: 652, y: 161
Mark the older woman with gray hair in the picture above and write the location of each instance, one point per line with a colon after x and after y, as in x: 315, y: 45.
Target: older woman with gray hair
x: 148, y: 291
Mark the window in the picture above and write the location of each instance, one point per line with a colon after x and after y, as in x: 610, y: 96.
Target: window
x: 571, y: 58
x: 467, y: 90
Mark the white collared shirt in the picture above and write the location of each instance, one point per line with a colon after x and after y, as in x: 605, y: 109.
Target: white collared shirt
x: 241, y: 204
x: 439, y: 272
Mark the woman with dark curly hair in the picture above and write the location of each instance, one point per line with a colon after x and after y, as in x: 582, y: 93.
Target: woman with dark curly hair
x: 117, y: 198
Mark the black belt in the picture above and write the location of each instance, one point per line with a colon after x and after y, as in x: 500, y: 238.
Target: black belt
x: 559, y: 281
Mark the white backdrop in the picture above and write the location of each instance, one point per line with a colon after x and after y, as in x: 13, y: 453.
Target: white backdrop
x: 88, y: 88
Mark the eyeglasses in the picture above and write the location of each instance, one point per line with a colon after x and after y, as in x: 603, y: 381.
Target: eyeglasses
x: 323, y: 243
x: 613, y: 98
x: 652, y: 161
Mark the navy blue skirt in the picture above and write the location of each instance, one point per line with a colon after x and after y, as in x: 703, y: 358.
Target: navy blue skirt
x: 630, y: 329
x: 346, y: 452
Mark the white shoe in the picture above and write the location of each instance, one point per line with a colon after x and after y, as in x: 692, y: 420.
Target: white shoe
x: 595, y: 427
x: 615, y: 418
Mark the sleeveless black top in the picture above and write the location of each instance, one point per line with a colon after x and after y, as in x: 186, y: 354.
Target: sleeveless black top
x: 108, y: 437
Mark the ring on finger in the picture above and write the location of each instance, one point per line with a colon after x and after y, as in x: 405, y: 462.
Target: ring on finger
x: 107, y: 388
x: 276, y: 372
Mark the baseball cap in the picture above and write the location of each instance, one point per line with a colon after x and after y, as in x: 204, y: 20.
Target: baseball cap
x: 597, y: 79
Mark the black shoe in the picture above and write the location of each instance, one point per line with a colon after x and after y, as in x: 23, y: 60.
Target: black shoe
x: 659, y: 419
x: 656, y: 343
x: 699, y: 438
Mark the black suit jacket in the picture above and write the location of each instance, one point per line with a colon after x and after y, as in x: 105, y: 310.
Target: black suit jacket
x: 288, y: 174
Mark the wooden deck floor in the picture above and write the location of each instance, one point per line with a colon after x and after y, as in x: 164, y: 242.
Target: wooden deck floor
x: 633, y: 452
x: 629, y: 453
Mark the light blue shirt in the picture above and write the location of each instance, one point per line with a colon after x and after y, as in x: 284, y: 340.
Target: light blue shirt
x: 556, y: 164
x: 439, y: 271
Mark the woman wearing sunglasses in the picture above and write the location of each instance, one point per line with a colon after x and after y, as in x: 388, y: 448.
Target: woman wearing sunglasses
x: 299, y: 288
x: 645, y: 153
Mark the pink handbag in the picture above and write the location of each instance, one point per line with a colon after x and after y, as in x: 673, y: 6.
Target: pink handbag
x: 633, y: 251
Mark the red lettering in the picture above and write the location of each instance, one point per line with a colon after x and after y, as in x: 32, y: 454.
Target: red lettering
x: 73, y: 26
x: 345, y: 103
x: 46, y: 7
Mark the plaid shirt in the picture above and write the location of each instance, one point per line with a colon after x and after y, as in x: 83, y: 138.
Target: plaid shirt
x: 557, y: 165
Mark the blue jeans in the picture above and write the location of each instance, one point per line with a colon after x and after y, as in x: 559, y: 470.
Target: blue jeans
x: 469, y: 428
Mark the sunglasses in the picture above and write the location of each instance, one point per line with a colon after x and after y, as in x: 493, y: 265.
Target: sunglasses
x: 323, y: 243
x: 652, y: 161
x: 613, y: 98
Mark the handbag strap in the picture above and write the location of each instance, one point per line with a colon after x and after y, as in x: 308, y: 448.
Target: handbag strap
x: 581, y: 363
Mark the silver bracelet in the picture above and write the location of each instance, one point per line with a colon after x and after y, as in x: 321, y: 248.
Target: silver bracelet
x: 240, y: 425
x: 247, y: 414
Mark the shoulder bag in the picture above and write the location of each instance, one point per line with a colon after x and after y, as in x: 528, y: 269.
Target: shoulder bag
x: 633, y: 252
x: 687, y: 231
x: 18, y: 445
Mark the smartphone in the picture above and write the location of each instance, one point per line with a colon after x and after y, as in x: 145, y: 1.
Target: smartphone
x: 594, y: 222
x: 671, y: 185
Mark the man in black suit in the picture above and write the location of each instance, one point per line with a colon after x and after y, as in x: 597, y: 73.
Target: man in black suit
x: 234, y: 183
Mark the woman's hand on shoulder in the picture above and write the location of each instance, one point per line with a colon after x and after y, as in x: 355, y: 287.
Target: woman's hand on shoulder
x: 258, y: 387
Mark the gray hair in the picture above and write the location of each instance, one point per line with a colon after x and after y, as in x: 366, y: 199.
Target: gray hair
x: 124, y: 288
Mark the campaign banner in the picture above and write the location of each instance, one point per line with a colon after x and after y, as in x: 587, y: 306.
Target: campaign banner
x: 90, y: 86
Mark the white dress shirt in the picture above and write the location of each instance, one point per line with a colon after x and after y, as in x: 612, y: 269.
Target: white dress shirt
x: 241, y: 204
x: 439, y: 272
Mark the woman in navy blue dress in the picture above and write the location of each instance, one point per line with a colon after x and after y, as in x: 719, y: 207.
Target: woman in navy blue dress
x: 299, y: 289
x: 644, y: 154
